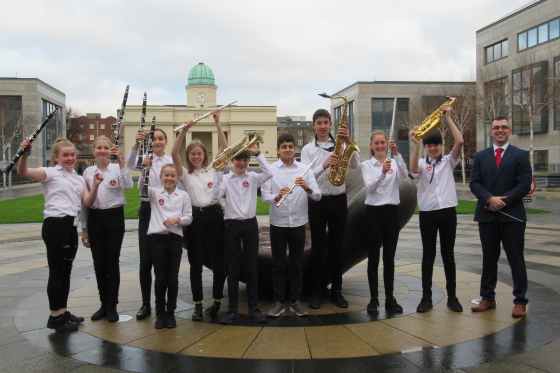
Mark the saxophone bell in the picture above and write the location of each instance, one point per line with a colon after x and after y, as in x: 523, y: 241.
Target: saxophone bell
x: 432, y: 122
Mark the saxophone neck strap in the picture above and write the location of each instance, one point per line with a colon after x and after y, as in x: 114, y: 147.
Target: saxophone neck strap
x: 437, y: 160
x: 329, y: 149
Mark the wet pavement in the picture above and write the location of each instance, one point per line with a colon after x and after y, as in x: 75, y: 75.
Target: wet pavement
x: 329, y: 340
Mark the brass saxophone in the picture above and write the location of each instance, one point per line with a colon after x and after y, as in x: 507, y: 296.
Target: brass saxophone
x: 232, y: 151
x: 432, y: 122
x: 338, y: 173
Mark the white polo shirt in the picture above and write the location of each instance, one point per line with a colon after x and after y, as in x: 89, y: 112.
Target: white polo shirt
x: 165, y: 206
x: 383, y: 189
x: 293, y: 211
x: 63, y: 191
x: 440, y: 193
x: 241, y: 191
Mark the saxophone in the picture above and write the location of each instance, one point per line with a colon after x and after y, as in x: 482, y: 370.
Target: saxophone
x: 337, y: 174
x: 432, y: 122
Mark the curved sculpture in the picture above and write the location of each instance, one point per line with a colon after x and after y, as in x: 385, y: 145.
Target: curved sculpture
x: 354, y: 239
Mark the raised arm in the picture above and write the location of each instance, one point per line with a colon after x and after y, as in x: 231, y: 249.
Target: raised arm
x: 177, y: 146
x: 456, y: 151
x: 415, y: 153
x: 221, y: 134
x: 35, y: 174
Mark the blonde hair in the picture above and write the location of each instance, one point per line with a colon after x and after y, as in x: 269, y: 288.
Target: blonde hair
x: 167, y: 165
x: 103, y: 138
x: 59, y: 144
x: 194, y: 144
x: 375, y: 133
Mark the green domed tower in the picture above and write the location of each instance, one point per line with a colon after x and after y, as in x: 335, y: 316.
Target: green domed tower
x: 201, y: 88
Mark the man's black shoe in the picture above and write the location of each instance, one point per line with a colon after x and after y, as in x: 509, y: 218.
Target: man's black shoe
x: 338, y: 299
x: 112, y: 314
x: 454, y: 305
x: 100, y: 313
x: 197, y: 314
x: 212, y: 311
x: 373, y: 304
x: 161, y: 320
x: 170, y: 321
x: 315, y: 300
x: 425, y: 305
x: 392, y: 305
x: 143, y: 312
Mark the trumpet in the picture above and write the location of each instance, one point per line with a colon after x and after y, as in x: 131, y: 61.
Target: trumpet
x: 203, y: 116
x: 233, y: 151
x: 294, y: 184
x: 432, y: 122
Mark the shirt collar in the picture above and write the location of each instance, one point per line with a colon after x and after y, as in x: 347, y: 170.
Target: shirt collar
x: 59, y: 168
x: 503, y: 147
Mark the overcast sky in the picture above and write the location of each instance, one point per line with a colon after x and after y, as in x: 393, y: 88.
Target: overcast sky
x: 280, y: 53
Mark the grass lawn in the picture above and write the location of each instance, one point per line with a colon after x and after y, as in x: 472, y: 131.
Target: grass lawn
x: 30, y: 209
x: 467, y: 207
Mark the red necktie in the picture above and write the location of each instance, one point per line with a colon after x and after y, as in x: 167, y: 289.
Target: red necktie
x: 498, y: 156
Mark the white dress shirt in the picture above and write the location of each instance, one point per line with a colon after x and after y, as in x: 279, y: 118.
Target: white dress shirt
x: 155, y: 169
x: 293, y: 211
x: 241, y: 191
x: 503, y: 147
x: 310, y: 151
x: 63, y: 191
x: 199, y: 186
x: 440, y: 193
x: 383, y: 189
x: 110, y: 193
x: 165, y: 206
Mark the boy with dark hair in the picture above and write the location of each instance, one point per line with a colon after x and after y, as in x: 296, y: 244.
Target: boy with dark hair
x: 331, y: 209
x: 287, y: 222
x: 240, y: 189
x: 437, y: 199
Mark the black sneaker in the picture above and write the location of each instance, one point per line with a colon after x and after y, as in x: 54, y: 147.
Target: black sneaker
x: 315, y: 299
x: 425, y: 305
x: 392, y: 305
x: 100, y: 313
x: 276, y: 309
x: 454, y: 305
x: 170, y: 321
x: 161, y: 320
x: 373, y: 304
x: 230, y: 317
x: 112, y: 314
x: 256, y: 315
x: 61, y: 323
x: 74, y: 318
x: 212, y: 311
x: 338, y: 299
x: 197, y: 313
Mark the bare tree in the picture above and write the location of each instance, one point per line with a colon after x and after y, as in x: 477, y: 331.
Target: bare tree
x: 13, y: 125
x: 492, y: 94
x: 75, y: 126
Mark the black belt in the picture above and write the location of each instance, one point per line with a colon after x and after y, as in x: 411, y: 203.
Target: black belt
x: 337, y: 197
x: 215, y: 206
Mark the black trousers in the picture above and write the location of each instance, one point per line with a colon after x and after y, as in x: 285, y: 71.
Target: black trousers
x: 247, y: 231
x: 106, y: 232
x: 61, y: 239
x: 207, y: 226
x: 512, y: 237
x: 382, y: 226
x: 167, y: 250
x: 444, y: 221
x: 330, y: 211
x: 280, y: 238
x: 144, y: 245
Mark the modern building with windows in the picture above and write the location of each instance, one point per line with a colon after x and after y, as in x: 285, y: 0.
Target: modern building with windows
x: 32, y: 100
x: 518, y: 66
x: 237, y: 121
x: 370, y: 108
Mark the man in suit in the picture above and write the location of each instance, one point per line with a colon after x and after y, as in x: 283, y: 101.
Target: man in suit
x: 500, y: 178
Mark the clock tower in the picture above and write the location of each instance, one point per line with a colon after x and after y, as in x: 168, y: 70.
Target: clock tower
x: 201, y: 89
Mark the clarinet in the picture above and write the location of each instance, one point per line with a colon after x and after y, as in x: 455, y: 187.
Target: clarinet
x: 20, y: 151
x: 150, y: 152
x: 118, y: 125
x: 143, y: 143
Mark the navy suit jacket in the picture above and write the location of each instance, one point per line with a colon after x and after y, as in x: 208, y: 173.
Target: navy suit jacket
x: 512, y: 180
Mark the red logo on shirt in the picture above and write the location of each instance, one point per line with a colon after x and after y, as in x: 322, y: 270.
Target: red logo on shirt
x: 390, y: 171
x: 246, y: 184
x: 210, y: 184
x: 161, y: 202
x: 113, y: 182
x: 429, y: 168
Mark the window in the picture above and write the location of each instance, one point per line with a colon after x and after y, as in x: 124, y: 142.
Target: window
x: 538, y: 35
x: 497, y: 51
x: 300, y: 133
x: 496, y: 93
x: 11, y: 113
x: 102, y: 126
x: 529, y: 97
x: 540, y: 160
x: 91, y: 126
x: 53, y: 131
x: 349, y: 119
x: 300, y: 142
x: 92, y: 137
x: 382, y: 117
x: 557, y: 95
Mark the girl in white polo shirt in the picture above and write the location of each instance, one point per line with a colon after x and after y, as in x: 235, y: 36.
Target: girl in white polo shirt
x: 64, y: 191
x: 103, y: 224
x: 382, y: 215
x: 171, y: 211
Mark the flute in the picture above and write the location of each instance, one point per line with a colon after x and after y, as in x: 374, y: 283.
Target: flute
x: 150, y: 152
x: 294, y: 184
x: 143, y: 144
x: 203, y: 116
x: 118, y: 125
x: 20, y: 151
x: 389, y: 152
